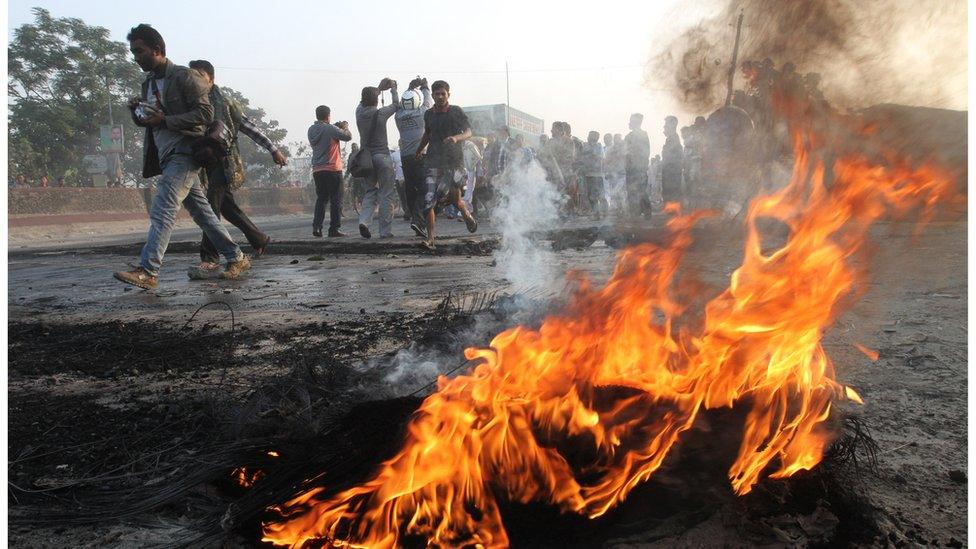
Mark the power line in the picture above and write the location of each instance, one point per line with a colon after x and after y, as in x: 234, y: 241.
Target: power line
x: 388, y: 71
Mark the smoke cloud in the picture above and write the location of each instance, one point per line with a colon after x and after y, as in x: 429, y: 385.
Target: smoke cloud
x: 527, y: 203
x: 887, y: 51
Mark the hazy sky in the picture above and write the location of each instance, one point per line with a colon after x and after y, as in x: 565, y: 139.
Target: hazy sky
x: 582, y: 62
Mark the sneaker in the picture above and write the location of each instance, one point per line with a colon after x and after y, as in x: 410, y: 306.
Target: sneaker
x: 317, y: 233
x: 472, y: 224
x: 204, y: 271
x: 427, y: 244
x: 258, y: 252
x: 137, y: 277
x: 420, y: 231
x: 364, y: 231
x: 235, y: 269
x: 335, y: 234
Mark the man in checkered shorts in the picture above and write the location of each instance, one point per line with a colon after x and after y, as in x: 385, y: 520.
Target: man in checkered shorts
x: 445, y: 128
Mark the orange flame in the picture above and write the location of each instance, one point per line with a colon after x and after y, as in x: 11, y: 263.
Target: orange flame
x: 870, y: 353
x: 498, y: 429
x: 246, y: 478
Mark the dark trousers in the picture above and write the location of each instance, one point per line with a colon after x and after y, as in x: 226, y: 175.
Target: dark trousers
x: 671, y: 182
x: 414, y: 188
x: 483, y: 196
x: 328, y: 188
x: 596, y: 194
x: 636, y: 185
x: 222, y: 201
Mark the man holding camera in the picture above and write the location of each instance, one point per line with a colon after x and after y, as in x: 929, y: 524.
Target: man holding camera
x: 371, y: 123
x: 175, y: 109
x: 324, y: 137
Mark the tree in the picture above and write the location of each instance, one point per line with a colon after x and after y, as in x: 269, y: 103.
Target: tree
x: 62, y: 75
x: 261, y: 169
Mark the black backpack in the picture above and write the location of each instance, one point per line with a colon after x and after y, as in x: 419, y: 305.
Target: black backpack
x: 209, y: 149
x: 361, y: 162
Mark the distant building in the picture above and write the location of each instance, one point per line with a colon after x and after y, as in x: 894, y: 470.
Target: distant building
x: 485, y: 119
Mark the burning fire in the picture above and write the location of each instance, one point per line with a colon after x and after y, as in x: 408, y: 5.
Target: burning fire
x: 617, y: 374
x: 245, y: 477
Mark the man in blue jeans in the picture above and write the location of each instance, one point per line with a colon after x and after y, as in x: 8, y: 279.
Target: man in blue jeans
x: 174, y: 109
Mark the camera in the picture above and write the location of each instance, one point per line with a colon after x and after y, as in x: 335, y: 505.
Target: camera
x: 144, y: 110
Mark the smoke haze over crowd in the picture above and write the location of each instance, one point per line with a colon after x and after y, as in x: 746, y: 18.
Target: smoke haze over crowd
x: 889, y: 51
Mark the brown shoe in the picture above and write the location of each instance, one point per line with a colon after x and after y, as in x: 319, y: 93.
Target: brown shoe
x: 234, y: 270
x: 137, y: 277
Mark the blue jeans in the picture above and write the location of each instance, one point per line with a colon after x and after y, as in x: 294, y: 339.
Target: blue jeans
x: 180, y: 183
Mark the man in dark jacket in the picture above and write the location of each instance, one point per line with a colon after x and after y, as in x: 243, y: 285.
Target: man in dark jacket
x: 638, y: 155
x: 227, y: 174
x: 174, y: 109
x: 671, y: 156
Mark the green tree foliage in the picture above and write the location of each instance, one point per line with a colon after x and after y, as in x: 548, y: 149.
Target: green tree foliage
x: 261, y: 169
x: 62, y: 74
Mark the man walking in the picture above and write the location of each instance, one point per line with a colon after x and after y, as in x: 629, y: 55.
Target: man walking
x: 638, y: 148
x: 324, y: 137
x: 445, y: 128
x: 592, y: 171
x: 410, y: 123
x: 671, y: 157
x: 174, y: 108
x: 371, y: 123
x: 225, y: 175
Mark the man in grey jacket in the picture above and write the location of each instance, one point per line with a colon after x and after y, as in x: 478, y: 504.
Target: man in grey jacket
x: 371, y: 123
x: 174, y: 108
x: 410, y: 123
x: 324, y: 138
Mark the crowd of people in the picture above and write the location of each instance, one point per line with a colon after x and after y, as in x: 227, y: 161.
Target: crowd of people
x: 43, y: 182
x: 438, y: 168
x: 603, y: 175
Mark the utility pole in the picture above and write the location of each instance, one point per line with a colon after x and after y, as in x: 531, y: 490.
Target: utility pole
x: 508, y: 98
x: 110, y: 121
x: 735, y: 60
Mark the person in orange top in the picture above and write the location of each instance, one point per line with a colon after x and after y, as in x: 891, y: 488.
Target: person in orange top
x: 324, y: 138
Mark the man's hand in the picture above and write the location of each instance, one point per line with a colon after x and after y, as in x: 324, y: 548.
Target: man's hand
x: 279, y: 158
x: 344, y: 125
x: 385, y: 84
x: 134, y: 102
x: 419, y: 155
x: 156, y: 118
x: 450, y: 139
